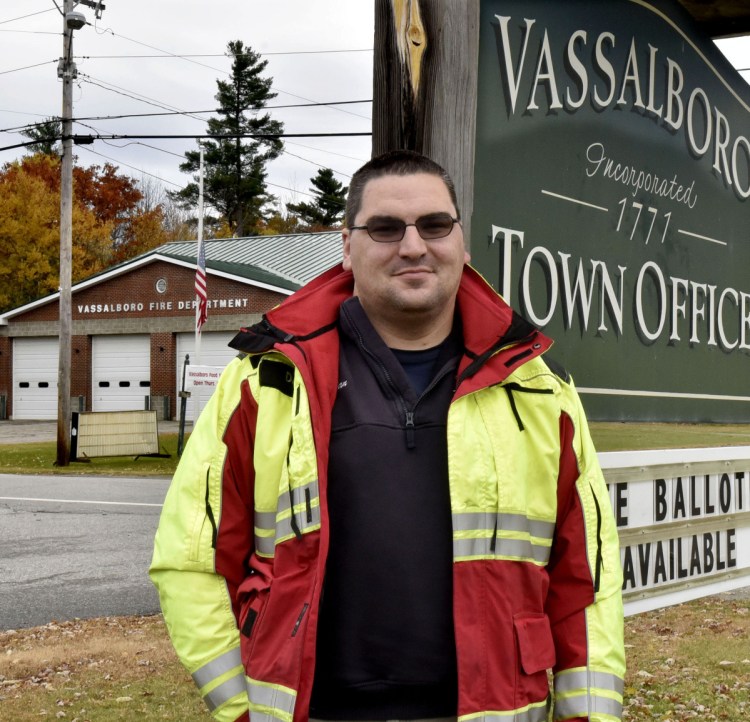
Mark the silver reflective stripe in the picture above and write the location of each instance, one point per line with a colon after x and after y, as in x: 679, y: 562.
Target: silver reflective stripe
x: 272, y: 698
x: 515, y: 548
x: 225, y: 691
x: 583, y: 679
x: 471, y: 521
x: 265, y: 520
x: 585, y: 705
x: 299, y: 495
x: 265, y: 545
x: 536, y: 713
x: 284, y: 530
x: 265, y: 532
x: 216, y: 667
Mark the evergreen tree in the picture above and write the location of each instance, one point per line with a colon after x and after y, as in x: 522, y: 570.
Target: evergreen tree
x: 47, y: 135
x: 235, y: 168
x: 327, y: 209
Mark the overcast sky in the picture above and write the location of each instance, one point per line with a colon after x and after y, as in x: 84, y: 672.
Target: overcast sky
x: 317, y: 50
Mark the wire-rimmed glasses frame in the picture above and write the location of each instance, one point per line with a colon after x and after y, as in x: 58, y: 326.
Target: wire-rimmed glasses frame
x: 431, y: 227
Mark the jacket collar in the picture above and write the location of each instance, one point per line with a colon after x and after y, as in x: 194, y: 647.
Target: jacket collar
x: 493, y: 332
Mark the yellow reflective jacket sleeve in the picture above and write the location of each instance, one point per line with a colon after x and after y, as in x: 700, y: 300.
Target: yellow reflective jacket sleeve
x: 195, y: 598
x: 590, y: 686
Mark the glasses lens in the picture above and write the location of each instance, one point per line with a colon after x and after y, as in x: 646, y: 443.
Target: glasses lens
x: 436, y: 225
x: 386, y: 230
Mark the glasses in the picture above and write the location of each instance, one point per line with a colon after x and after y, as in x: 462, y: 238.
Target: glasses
x: 391, y: 230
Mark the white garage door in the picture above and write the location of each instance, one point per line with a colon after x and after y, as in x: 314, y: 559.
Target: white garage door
x: 35, y: 378
x: 214, y: 351
x: 120, y: 372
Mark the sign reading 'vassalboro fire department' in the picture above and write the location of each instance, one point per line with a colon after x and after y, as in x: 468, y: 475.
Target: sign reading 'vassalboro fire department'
x: 612, y: 200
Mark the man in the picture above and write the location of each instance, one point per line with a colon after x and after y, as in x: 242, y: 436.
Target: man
x: 391, y: 507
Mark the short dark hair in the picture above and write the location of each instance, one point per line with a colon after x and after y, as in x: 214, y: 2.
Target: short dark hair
x: 394, y: 162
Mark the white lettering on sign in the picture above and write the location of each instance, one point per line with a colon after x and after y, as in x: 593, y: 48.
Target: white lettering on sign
x: 566, y: 77
x: 97, y: 308
x: 680, y: 310
x: 160, y: 306
x: 706, y: 522
x: 650, y: 564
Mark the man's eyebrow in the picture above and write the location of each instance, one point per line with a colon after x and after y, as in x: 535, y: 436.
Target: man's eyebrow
x: 382, y: 217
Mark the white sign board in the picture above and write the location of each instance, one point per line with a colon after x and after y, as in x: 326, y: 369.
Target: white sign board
x: 200, y: 381
x: 683, y: 516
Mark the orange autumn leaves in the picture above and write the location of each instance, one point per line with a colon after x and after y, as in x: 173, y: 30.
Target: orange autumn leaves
x: 110, y: 225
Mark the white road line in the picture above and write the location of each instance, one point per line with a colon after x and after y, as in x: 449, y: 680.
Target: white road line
x: 78, y: 501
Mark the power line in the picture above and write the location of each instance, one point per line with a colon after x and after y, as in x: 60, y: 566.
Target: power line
x: 164, y: 180
x: 23, y: 17
x: 178, y: 112
x: 185, y: 56
x: 31, y: 32
x: 218, y: 70
x: 27, y: 67
x: 132, y: 167
x: 86, y: 139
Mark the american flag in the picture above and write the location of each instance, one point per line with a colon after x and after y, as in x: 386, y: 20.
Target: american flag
x: 201, y: 309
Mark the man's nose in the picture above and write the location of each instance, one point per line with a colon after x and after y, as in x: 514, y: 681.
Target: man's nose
x: 412, y: 244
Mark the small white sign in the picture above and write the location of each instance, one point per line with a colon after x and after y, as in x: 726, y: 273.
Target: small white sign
x: 200, y: 382
x: 684, y: 522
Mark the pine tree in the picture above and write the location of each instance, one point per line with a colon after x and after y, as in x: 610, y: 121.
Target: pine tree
x: 235, y: 168
x: 47, y: 135
x: 327, y: 209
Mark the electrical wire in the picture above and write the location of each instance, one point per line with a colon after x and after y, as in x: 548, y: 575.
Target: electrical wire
x: 23, y: 17
x: 198, y: 136
x: 163, y: 180
x: 218, y: 70
x: 184, y: 56
x: 27, y: 67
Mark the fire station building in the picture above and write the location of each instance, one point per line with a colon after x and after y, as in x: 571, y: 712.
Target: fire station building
x: 134, y: 324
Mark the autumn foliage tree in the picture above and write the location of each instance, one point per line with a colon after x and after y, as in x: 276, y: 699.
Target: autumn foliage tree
x: 108, y: 225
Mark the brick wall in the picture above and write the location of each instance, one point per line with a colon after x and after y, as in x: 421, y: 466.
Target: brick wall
x: 163, y: 368
x: 80, y: 368
x: 134, y: 295
x: 155, y: 299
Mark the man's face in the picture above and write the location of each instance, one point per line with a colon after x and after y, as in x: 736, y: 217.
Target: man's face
x: 411, y: 279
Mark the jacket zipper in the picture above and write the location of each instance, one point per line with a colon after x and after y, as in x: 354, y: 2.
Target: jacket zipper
x: 408, y: 414
x: 599, y: 559
x: 210, y: 512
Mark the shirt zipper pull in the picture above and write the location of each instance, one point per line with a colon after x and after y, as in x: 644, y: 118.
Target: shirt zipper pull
x: 410, y: 439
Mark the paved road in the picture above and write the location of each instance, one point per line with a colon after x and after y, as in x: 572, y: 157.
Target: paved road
x: 76, y: 547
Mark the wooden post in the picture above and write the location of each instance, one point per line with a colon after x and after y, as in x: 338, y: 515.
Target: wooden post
x: 66, y: 245
x: 425, y: 85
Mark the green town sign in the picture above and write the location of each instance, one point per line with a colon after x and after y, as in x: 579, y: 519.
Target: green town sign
x: 612, y: 200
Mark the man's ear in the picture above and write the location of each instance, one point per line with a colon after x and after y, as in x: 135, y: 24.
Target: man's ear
x: 347, y: 261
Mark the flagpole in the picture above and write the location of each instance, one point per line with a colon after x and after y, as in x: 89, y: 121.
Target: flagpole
x: 201, y: 298
x: 201, y: 287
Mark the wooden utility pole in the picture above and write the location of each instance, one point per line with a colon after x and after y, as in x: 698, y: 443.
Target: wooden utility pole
x: 425, y: 85
x: 67, y: 71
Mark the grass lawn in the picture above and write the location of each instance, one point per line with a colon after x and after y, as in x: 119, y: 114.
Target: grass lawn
x: 690, y: 662
x: 39, y: 458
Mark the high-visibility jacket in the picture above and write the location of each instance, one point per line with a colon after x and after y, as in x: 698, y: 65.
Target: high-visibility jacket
x: 240, y: 553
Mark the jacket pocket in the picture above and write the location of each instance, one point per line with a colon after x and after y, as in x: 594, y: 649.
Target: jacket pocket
x: 203, y: 530
x: 251, y: 616
x: 536, y: 649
